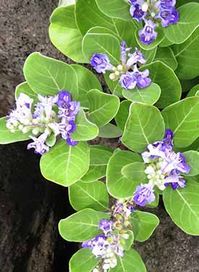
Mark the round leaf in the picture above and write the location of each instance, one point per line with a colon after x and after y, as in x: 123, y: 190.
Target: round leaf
x: 135, y: 171
x: 102, y: 107
x: 182, y: 118
x: 100, y: 40
x: 47, y: 76
x: 144, y: 125
x: 118, y: 185
x: 85, y: 129
x: 143, y: 224
x: 65, y: 164
x: 82, y: 225
x: 182, y: 206
x: 131, y: 262
x: 165, y: 77
x: 149, y: 95
x: 65, y: 34
x: 110, y: 131
x: 78, y: 264
x: 93, y: 195
x: 189, y: 21
x: 115, y: 8
x: 166, y: 56
x: 192, y: 158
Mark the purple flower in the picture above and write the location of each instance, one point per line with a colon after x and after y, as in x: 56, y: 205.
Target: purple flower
x: 137, y: 12
x: 39, y: 144
x: 128, y: 81
x: 135, y: 58
x: 142, y: 79
x: 148, y: 34
x: 144, y: 195
x: 64, y: 98
x: 106, y: 225
x: 169, y: 16
x: 101, y: 63
x: 175, y: 180
x: 167, y: 3
x: 123, y: 52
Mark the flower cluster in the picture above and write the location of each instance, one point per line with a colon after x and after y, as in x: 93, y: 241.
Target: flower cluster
x: 45, y: 120
x: 127, y: 72
x: 153, y: 13
x: 110, y: 244
x: 164, y: 167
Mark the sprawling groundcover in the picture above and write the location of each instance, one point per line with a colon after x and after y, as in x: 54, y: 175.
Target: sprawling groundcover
x: 147, y: 55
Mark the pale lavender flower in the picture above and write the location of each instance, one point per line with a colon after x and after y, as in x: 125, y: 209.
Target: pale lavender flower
x: 148, y: 34
x: 128, y: 81
x: 135, y: 58
x: 167, y: 3
x: 144, y: 195
x: 106, y: 225
x: 168, y: 16
x: 142, y: 79
x: 101, y: 63
x: 38, y: 144
x: 175, y: 180
x: 137, y: 12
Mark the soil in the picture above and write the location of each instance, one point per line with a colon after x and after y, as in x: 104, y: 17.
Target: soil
x: 30, y: 207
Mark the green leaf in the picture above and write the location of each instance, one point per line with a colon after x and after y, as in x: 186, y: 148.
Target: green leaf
x: 99, y: 157
x: 131, y: 262
x: 100, y: 40
x: 93, y: 195
x: 144, y: 125
x: 165, y: 77
x: 86, y: 81
x: 187, y: 55
x: 182, y: 206
x: 102, y: 107
x: 192, y: 158
x: 118, y: 185
x: 115, y: 8
x: 7, y: 137
x: 88, y: 15
x: 85, y: 129
x: 125, y: 31
x: 83, y: 260
x: 47, y: 76
x: 65, y: 34
x: 193, y: 91
x: 25, y: 89
x: 143, y: 224
x: 166, y: 56
x: 154, y: 44
x: 122, y: 114
x: 82, y: 225
x: 135, y: 171
x: 149, y: 95
x: 182, y: 118
x: 65, y: 164
x: 127, y: 243
x: 110, y: 131
x: 189, y: 21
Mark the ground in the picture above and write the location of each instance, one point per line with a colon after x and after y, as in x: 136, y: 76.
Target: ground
x: 30, y: 207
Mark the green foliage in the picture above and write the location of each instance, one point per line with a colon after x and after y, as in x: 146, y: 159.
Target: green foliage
x: 149, y: 95
x: 144, y: 224
x: 65, y: 164
x: 189, y: 21
x: 83, y: 260
x: 192, y: 158
x: 182, y: 206
x: 82, y: 225
x: 110, y: 131
x: 102, y: 107
x: 85, y: 129
x: 7, y: 137
x: 89, y: 195
x: 122, y: 114
x: 101, y: 40
x: 187, y: 56
x: 118, y: 185
x: 131, y: 262
x: 182, y: 118
x: 165, y: 77
x: 99, y: 157
x: 25, y: 89
x: 144, y: 125
x: 167, y: 56
x: 135, y: 171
